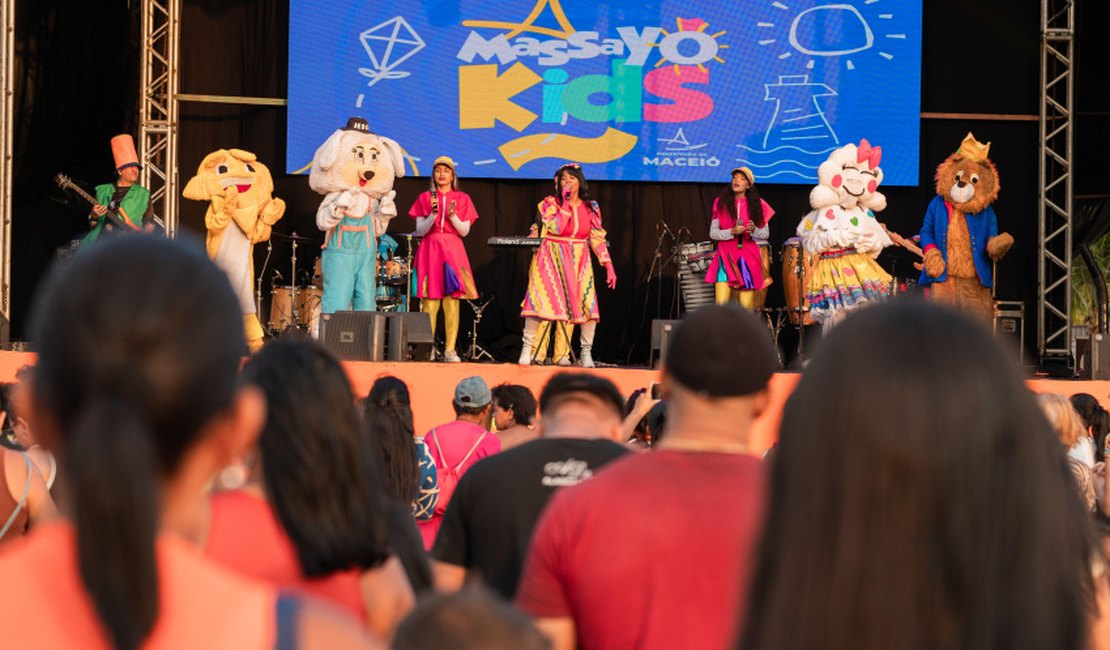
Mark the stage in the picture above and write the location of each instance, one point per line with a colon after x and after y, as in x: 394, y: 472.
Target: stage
x: 432, y: 386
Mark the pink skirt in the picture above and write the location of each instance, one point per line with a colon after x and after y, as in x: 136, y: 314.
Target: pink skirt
x: 442, y: 268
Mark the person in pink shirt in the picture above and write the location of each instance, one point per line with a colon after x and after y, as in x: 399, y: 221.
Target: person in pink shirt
x: 457, y: 445
x: 739, y: 219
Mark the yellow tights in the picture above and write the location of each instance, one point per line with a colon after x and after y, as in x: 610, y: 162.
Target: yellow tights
x: 723, y: 293
x: 450, y: 319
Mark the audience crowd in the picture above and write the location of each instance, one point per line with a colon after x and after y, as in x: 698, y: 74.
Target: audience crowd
x: 157, y: 492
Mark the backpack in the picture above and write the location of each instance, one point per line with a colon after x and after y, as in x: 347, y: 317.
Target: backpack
x: 447, y: 476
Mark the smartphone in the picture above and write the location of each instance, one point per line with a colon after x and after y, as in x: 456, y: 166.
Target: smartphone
x: 656, y: 393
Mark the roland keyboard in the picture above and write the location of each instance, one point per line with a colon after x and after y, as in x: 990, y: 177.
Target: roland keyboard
x: 521, y: 242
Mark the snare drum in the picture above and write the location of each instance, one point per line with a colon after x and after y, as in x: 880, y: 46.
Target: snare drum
x: 394, y: 267
x: 794, y: 287
x: 306, y: 300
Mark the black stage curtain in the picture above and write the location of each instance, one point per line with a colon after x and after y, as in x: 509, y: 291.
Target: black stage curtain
x: 977, y: 58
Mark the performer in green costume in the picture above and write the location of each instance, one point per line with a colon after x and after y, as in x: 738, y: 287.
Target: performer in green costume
x: 129, y: 199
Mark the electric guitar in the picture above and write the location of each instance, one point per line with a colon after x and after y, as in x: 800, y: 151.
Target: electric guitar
x: 112, y: 215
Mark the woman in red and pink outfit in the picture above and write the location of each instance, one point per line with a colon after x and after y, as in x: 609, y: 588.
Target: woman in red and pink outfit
x: 443, y: 276
x: 739, y: 219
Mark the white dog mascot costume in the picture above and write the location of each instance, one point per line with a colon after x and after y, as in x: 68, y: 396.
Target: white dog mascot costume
x: 844, y: 234
x: 355, y: 169
x: 239, y: 190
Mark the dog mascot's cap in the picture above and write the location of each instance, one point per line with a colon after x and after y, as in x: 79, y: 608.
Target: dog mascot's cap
x: 123, y: 150
x: 357, y: 124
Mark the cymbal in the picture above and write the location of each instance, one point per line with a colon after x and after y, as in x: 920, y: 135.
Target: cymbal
x: 413, y: 234
x: 291, y: 237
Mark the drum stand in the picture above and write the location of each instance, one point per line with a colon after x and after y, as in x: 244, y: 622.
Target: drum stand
x: 408, y: 274
x: 800, y: 270
x: 775, y: 320
x: 477, y: 352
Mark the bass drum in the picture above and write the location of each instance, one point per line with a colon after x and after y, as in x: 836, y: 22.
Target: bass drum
x: 282, y: 303
x: 794, y: 287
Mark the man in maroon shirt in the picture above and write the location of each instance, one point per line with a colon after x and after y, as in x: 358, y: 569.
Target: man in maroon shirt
x: 653, y: 551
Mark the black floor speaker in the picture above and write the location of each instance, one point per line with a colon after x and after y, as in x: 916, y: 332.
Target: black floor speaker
x: 409, y: 336
x: 661, y: 331
x: 354, y: 335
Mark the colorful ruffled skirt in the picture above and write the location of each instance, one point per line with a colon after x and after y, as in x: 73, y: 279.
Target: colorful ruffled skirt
x: 844, y: 280
x: 561, y: 282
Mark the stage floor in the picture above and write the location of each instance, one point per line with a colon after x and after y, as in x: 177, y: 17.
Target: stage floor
x: 432, y: 386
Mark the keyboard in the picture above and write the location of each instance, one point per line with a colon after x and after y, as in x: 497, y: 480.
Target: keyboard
x: 522, y: 242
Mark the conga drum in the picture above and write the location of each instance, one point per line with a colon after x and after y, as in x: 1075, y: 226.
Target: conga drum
x: 765, y: 260
x: 794, y: 287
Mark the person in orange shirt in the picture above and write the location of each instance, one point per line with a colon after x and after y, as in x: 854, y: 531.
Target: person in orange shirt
x: 312, y: 516
x: 136, y: 392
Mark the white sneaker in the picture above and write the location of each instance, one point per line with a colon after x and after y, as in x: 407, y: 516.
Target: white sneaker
x: 565, y: 361
x: 450, y: 356
x: 525, y: 357
x: 585, y: 359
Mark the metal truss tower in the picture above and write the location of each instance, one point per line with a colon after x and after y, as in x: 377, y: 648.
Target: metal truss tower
x: 1054, y: 334
x: 7, y: 130
x: 158, y: 107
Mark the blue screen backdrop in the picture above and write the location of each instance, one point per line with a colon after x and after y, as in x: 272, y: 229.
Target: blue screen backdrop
x: 648, y: 90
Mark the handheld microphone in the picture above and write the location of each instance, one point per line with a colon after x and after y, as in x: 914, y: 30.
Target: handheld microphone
x: 435, y: 201
x: 566, y: 196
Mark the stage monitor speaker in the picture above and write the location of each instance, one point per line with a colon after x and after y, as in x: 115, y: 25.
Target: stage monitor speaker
x: 1099, y: 363
x: 409, y: 336
x: 661, y: 331
x: 354, y: 335
x: 1009, y: 324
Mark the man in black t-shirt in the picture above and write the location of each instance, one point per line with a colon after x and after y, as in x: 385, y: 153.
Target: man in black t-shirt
x: 487, y: 526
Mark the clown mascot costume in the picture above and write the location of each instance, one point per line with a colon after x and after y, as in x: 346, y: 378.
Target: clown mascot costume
x: 845, y: 235
x: 241, y: 213
x: 355, y: 170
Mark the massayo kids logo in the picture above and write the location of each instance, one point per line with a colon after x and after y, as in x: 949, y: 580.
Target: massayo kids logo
x: 611, y: 82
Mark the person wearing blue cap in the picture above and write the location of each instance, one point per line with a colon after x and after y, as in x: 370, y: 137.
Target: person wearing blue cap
x: 457, y: 445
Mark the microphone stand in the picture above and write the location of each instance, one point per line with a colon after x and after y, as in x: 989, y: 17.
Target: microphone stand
x: 258, y: 288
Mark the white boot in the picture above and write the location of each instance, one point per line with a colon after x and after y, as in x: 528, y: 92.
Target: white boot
x: 528, y: 340
x: 586, y: 339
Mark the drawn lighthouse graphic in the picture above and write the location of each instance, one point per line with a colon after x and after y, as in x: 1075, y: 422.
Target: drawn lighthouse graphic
x: 798, y: 119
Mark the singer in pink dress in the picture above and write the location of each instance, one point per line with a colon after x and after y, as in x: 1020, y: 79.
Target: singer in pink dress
x: 738, y: 213
x: 443, y: 276
x: 561, y: 278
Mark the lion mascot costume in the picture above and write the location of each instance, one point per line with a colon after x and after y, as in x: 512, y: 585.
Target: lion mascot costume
x: 960, y: 235
x: 240, y: 192
x: 355, y: 170
x: 844, y: 234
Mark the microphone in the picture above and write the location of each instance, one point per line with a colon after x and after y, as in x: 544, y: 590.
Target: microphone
x: 566, y: 196
x: 277, y: 277
x: 435, y: 201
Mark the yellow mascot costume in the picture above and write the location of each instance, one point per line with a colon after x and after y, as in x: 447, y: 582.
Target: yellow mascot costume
x: 240, y: 192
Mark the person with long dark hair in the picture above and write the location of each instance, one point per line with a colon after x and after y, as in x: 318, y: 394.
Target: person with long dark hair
x: 312, y: 517
x: 136, y: 392
x: 920, y: 501
x: 739, y: 218
x: 410, y: 478
x: 410, y: 471
x: 561, y: 291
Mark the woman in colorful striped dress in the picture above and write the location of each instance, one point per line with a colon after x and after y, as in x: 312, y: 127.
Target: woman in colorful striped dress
x: 561, y: 280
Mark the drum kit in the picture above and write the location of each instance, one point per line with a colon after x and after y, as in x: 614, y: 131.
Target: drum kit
x: 295, y: 308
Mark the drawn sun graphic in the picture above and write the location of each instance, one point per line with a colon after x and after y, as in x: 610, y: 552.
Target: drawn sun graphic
x: 826, y: 31
x: 694, y: 48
